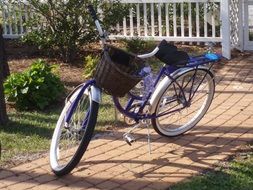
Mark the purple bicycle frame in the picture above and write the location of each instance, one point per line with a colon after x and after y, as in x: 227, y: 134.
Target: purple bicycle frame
x: 164, y: 71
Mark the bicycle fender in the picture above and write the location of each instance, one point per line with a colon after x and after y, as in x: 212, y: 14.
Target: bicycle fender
x: 96, y: 94
x: 159, y: 90
x: 163, y: 85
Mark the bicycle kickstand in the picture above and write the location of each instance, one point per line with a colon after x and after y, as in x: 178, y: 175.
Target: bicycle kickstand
x: 149, y: 140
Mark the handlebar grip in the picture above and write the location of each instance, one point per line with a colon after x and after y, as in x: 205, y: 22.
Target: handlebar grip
x: 92, y: 12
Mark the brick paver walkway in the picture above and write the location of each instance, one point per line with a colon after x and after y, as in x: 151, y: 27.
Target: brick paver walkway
x: 112, y: 164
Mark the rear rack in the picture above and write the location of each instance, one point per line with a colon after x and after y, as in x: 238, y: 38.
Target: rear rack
x: 203, y: 59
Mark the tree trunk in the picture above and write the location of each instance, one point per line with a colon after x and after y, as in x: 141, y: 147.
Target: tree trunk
x: 3, y: 58
x: 3, y: 75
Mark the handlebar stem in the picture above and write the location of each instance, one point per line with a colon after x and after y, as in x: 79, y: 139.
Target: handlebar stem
x: 101, y: 32
x: 99, y: 28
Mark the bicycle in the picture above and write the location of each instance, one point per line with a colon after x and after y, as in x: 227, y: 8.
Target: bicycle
x: 174, y: 100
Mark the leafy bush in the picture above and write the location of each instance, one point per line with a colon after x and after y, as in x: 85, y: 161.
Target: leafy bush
x: 35, y: 88
x: 90, y: 65
x: 137, y: 45
x: 67, y: 25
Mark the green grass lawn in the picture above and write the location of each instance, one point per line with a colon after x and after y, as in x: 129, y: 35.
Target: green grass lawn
x: 27, y: 132
x: 30, y: 132
x: 234, y: 175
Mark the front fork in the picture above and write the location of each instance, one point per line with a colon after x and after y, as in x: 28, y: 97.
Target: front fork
x: 92, y: 91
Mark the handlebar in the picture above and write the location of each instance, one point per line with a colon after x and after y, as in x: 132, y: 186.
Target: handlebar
x: 151, y: 54
x: 92, y: 12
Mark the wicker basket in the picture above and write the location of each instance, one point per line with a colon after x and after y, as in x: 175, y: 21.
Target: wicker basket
x: 117, y: 72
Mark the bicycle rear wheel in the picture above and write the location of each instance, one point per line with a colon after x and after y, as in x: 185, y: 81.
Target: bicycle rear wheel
x: 71, y: 139
x: 198, y: 87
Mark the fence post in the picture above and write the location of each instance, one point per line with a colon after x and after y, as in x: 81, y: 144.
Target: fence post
x: 241, y: 40
x: 225, y: 27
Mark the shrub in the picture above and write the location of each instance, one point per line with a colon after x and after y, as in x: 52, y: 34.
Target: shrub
x: 137, y: 45
x: 35, y: 88
x: 67, y: 25
x: 90, y: 65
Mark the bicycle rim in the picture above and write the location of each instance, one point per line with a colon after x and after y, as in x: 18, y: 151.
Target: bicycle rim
x: 71, y: 139
x: 199, y: 86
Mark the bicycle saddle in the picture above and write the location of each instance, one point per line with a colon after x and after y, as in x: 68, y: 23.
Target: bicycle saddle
x: 169, y: 54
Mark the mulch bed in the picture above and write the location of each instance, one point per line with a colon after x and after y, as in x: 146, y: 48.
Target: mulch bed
x: 21, y: 56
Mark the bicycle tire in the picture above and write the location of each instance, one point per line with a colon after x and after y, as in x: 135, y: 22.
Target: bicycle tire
x: 91, y: 118
x: 170, y: 129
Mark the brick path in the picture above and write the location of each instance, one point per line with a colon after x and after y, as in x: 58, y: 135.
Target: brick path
x: 111, y: 164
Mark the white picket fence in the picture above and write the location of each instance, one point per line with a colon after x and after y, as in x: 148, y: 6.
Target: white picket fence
x: 159, y: 20
x: 150, y: 19
x: 174, y: 20
x: 14, y: 18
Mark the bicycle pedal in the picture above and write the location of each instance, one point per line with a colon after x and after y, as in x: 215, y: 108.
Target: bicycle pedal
x: 129, y: 139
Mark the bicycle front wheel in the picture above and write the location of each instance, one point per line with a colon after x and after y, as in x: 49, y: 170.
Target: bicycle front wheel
x: 185, y: 106
x: 71, y: 139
